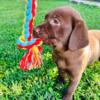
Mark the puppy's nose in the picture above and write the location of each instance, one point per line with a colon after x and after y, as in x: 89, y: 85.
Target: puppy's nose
x: 36, y: 32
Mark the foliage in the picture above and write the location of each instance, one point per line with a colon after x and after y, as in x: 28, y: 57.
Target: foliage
x: 39, y: 84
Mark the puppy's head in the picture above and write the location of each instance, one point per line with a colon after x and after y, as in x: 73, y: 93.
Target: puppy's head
x: 63, y: 27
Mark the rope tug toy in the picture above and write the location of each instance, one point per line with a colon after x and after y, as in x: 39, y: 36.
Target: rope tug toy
x: 32, y: 59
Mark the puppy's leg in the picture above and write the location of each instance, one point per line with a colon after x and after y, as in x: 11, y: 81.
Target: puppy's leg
x: 74, y: 83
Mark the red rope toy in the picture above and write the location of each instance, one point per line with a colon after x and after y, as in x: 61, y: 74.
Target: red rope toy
x: 32, y: 59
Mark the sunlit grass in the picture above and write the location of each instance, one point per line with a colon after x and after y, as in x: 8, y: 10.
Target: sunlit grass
x: 39, y: 84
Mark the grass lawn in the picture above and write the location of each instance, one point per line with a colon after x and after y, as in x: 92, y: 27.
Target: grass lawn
x: 40, y: 84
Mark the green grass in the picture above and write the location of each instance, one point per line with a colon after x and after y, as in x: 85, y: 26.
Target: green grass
x: 39, y: 84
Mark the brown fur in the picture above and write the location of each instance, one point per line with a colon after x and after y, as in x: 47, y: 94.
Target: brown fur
x: 74, y: 46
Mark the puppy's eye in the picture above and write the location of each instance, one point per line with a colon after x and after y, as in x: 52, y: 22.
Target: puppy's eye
x: 55, y: 21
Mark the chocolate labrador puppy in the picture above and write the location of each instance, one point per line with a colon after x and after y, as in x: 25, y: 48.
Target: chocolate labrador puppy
x: 74, y: 47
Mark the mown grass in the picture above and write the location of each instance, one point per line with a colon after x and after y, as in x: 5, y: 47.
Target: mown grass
x: 40, y: 84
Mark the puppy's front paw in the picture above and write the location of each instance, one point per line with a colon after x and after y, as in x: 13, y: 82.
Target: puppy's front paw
x: 67, y: 98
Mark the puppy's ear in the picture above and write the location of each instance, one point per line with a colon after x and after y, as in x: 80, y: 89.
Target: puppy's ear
x: 79, y: 36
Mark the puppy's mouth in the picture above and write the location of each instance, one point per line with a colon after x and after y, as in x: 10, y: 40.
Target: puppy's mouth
x: 45, y: 36
x: 49, y: 41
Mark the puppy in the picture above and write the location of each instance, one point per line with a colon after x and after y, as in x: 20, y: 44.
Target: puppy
x: 74, y: 47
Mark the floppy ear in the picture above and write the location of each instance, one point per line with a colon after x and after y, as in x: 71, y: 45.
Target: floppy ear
x: 79, y: 36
